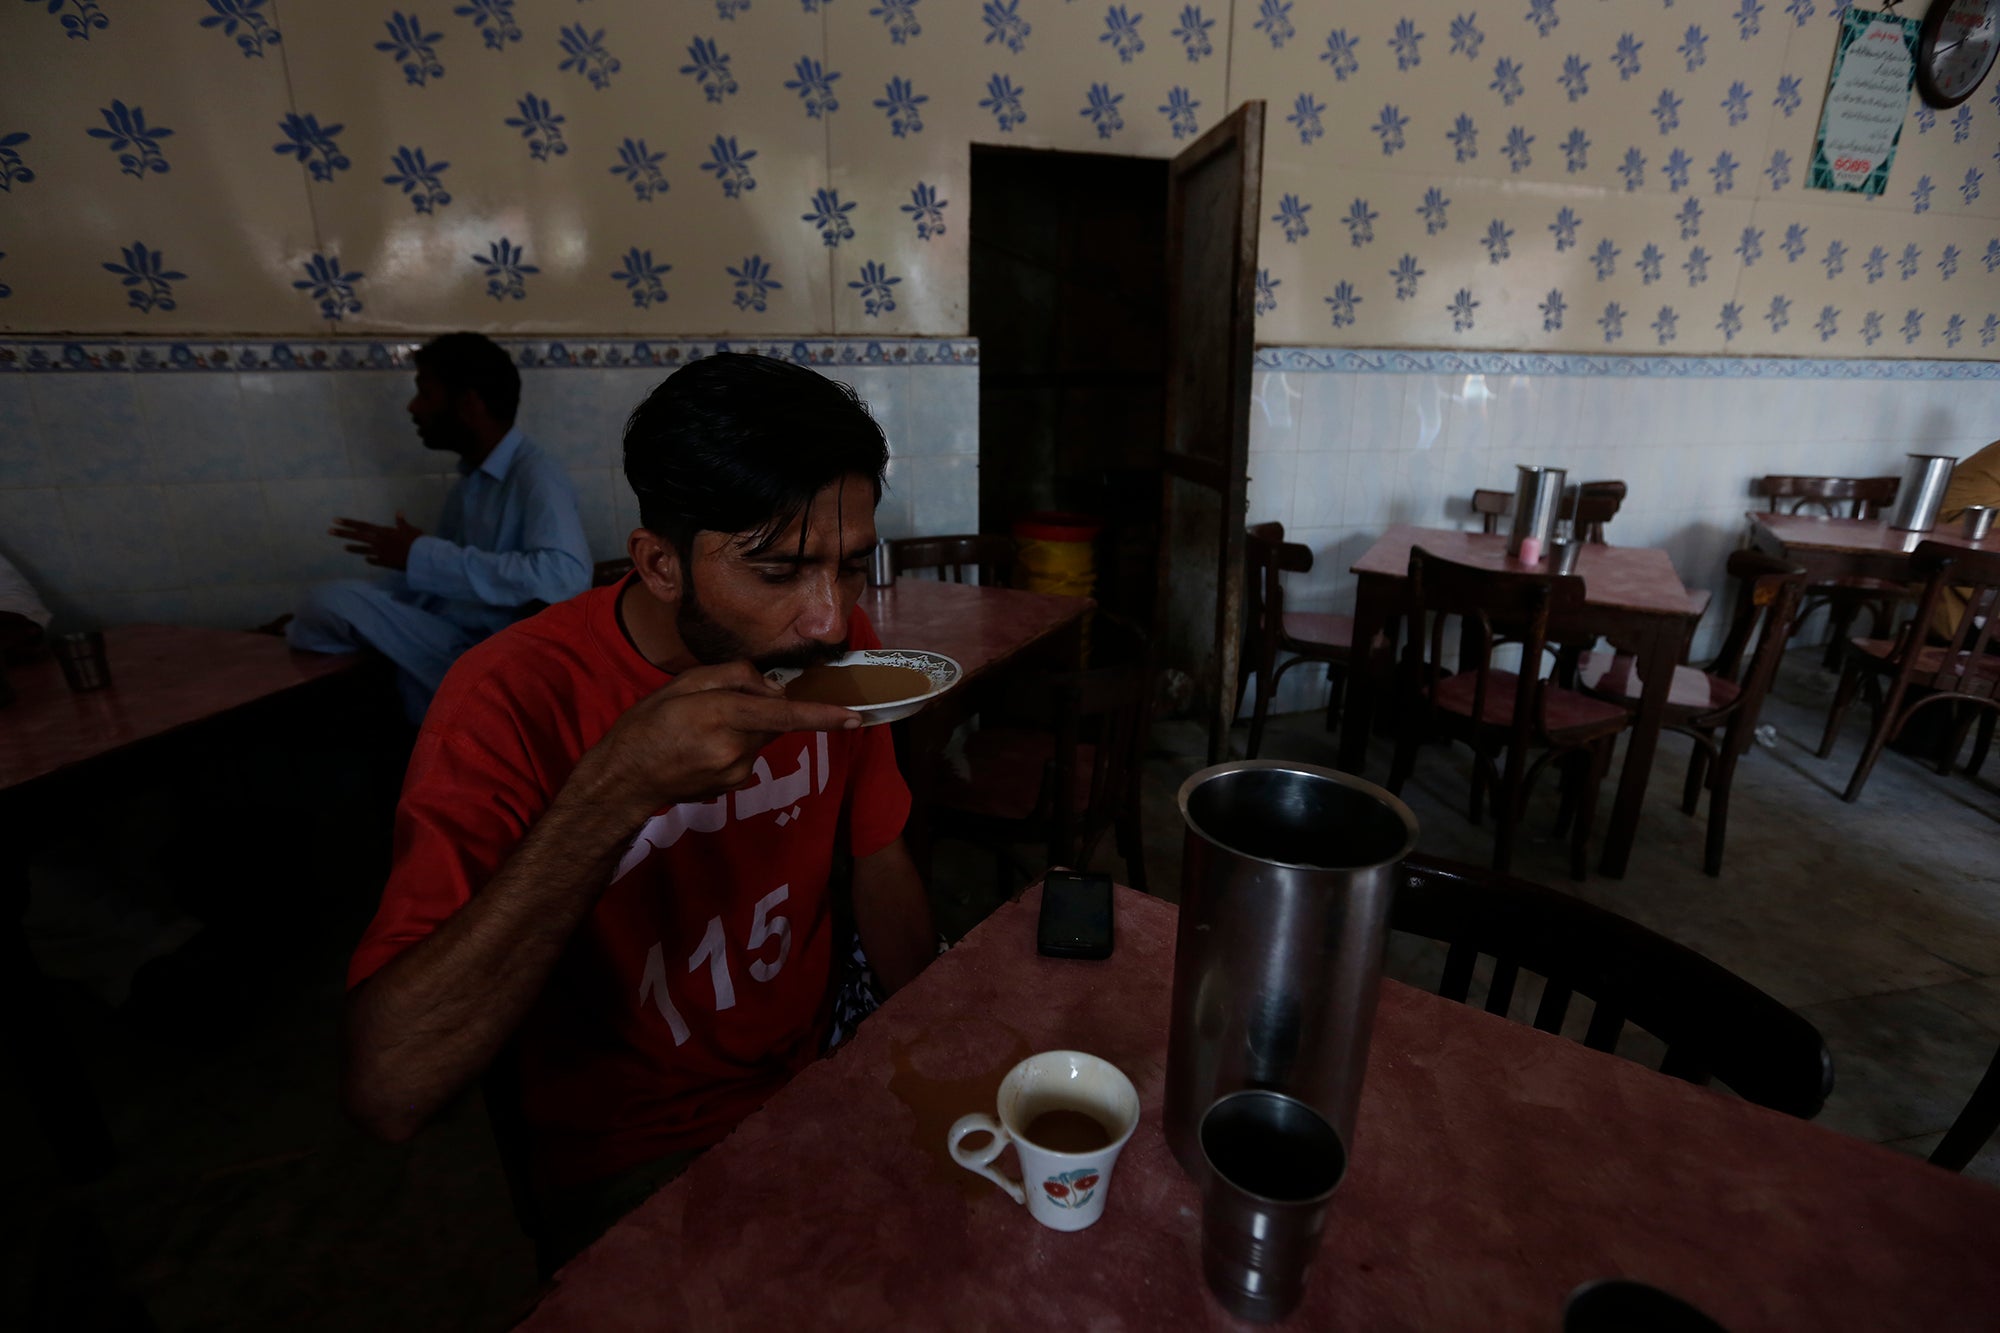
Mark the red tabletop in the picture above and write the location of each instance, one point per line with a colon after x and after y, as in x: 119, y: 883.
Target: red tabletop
x: 1495, y: 1169
x: 1861, y: 536
x: 979, y: 628
x: 162, y: 677
x: 1631, y: 577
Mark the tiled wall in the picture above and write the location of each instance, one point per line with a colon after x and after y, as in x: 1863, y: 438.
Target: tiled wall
x: 1603, y: 175
x: 201, y: 494
x: 1560, y: 174
x: 1338, y: 453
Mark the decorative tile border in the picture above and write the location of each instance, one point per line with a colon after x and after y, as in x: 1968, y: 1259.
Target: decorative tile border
x: 1390, y: 361
x: 529, y: 353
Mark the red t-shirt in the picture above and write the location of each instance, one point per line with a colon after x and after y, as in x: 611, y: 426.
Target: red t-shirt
x: 695, y: 987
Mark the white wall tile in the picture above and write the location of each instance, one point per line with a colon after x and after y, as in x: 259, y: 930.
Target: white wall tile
x: 292, y: 420
x: 123, y: 537
x: 21, y: 460
x: 221, y: 531
x: 194, y: 426
x: 90, y: 429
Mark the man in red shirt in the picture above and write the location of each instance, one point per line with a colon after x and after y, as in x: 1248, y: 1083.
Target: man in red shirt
x: 614, y: 841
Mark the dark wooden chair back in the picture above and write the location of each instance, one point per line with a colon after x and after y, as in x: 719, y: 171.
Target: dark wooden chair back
x: 1858, y: 497
x: 1267, y: 557
x: 1964, y: 667
x: 1593, y: 504
x: 1768, y: 592
x: 1715, y: 1025
x: 950, y: 557
x: 1102, y: 712
x: 1492, y: 506
x: 1491, y: 607
x: 607, y: 572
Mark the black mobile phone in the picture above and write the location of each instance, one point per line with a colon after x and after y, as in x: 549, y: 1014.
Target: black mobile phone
x: 1076, y: 916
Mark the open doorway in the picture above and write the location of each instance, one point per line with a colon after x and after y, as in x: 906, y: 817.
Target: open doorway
x: 1068, y: 299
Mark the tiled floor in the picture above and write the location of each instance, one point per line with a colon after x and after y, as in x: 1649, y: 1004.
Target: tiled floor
x: 244, y: 1201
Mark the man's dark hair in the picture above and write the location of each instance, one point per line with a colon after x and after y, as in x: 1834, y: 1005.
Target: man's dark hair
x: 462, y: 361
x: 741, y: 444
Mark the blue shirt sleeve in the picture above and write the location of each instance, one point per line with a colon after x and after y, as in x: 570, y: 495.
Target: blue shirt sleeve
x: 552, y: 566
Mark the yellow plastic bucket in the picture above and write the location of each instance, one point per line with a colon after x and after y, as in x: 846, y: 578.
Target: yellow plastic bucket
x: 1056, y: 553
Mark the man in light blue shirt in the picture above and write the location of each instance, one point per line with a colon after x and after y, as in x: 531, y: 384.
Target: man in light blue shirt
x: 509, y: 539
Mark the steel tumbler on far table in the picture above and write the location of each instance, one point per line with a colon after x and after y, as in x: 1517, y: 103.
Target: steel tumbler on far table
x: 1978, y: 520
x: 1538, y: 495
x: 1921, y: 495
x: 1287, y: 874
x: 81, y: 656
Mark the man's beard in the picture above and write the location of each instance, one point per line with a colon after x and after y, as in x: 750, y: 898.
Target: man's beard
x: 445, y: 434
x: 712, y: 643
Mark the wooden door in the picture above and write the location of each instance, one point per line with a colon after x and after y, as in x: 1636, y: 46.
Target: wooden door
x: 1212, y: 216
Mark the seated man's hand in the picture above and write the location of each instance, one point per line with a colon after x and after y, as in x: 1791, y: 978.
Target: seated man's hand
x: 386, y: 547
x: 698, y: 736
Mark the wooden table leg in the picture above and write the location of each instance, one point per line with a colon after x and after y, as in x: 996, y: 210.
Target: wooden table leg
x: 39, y: 1053
x: 1657, y: 651
x: 1370, y: 675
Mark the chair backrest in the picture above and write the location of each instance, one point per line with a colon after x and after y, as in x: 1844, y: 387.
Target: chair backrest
x: 1267, y: 556
x: 607, y: 572
x: 1968, y: 664
x: 1859, y: 497
x: 1105, y: 707
x: 1714, y: 1024
x: 992, y: 556
x: 1491, y: 606
x: 1492, y: 506
x: 1768, y: 592
x: 1593, y: 504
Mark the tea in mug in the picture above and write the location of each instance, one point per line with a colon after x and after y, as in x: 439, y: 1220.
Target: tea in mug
x: 1068, y: 1131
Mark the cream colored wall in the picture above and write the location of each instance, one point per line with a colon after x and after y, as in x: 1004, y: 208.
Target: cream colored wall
x: 1793, y: 39
x: 243, y: 222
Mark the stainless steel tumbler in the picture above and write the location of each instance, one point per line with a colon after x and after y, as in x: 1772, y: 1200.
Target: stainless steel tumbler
x: 1921, y: 495
x: 1978, y: 520
x: 1273, y: 1163
x: 1538, y: 493
x: 1287, y: 874
x: 881, y: 565
x: 82, y: 658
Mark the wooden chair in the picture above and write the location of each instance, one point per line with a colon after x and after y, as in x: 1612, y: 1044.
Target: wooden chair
x: 1964, y: 671
x: 1845, y: 597
x: 1270, y: 630
x: 1592, y: 504
x: 607, y: 572
x: 992, y: 557
x: 1716, y: 1026
x: 1492, y: 710
x: 1975, y: 1124
x: 1063, y: 765
x: 1492, y: 506
x: 1725, y: 697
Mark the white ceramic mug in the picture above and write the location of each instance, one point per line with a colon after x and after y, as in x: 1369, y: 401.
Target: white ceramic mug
x: 1063, y: 1190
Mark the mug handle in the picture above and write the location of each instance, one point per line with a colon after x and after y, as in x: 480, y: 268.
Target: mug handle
x: 981, y: 1160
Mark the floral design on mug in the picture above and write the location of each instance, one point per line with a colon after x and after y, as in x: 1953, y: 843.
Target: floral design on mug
x: 1072, y: 1189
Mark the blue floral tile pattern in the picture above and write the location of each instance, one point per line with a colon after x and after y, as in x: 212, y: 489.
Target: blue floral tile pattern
x: 1637, y: 174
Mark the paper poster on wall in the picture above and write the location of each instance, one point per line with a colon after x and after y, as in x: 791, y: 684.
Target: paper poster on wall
x: 1867, y: 98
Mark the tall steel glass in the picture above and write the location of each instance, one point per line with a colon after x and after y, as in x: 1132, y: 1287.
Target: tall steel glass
x: 1538, y: 493
x: 1288, y: 871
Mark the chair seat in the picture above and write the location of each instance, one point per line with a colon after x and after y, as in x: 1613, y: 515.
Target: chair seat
x: 1320, y: 629
x: 1930, y: 660
x: 1008, y: 766
x: 1566, y: 715
x: 1615, y: 676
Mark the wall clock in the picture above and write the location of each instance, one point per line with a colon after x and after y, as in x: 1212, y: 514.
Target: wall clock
x: 1955, y: 49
